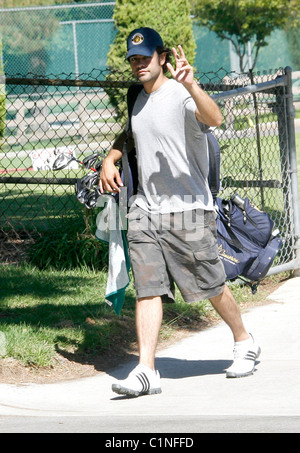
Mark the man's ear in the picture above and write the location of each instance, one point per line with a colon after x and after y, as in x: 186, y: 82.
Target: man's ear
x: 162, y: 58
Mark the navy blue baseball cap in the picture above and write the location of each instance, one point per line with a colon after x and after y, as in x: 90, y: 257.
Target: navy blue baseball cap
x: 143, y: 41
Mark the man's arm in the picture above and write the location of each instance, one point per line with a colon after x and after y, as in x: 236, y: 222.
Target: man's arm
x: 207, y: 110
x: 110, y: 179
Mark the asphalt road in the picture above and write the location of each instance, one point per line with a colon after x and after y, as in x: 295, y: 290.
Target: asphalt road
x: 167, y: 426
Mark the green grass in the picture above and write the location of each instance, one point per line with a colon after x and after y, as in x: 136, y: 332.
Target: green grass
x: 45, y: 313
x: 95, y: 104
x: 35, y: 207
x: 35, y: 143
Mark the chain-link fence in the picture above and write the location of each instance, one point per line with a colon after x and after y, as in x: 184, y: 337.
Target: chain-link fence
x: 76, y: 38
x: 57, y: 39
x: 44, y: 117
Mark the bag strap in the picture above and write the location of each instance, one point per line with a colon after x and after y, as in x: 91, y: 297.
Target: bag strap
x: 214, y: 164
x: 132, y: 94
x: 232, y: 239
x: 125, y: 165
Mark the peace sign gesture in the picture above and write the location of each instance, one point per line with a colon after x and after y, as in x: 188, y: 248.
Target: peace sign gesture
x: 183, y: 72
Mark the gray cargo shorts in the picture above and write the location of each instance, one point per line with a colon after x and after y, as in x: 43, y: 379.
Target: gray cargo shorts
x: 179, y: 247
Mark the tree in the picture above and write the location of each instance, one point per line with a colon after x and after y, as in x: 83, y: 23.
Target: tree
x: 244, y: 21
x: 171, y: 19
x: 292, y: 29
x: 28, y: 32
x: 293, y: 39
x: 24, y: 33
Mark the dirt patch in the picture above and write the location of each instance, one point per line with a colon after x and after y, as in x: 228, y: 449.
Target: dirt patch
x: 13, y: 372
x: 13, y: 247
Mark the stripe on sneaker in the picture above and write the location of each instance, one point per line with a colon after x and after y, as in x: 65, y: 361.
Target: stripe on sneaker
x: 250, y: 355
x: 144, y: 381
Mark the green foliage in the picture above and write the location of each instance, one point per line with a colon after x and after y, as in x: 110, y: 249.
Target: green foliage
x: 28, y: 33
x: 171, y: 19
x: 293, y: 38
x: 241, y: 21
x: 70, y: 244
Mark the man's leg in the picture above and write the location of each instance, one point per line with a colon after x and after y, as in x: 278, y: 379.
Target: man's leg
x: 228, y: 309
x: 246, y: 351
x: 149, y: 314
x: 144, y: 380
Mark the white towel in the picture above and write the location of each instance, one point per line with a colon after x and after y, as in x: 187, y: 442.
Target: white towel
x: 109, y: 231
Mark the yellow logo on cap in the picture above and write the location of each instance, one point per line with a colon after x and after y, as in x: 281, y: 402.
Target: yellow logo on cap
x: 138, y: 38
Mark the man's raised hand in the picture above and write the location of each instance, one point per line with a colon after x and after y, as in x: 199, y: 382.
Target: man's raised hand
x: 183, y: 72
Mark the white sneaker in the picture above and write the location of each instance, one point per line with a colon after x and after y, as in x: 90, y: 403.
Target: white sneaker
x: 245, y: 354
x: 141, y: 381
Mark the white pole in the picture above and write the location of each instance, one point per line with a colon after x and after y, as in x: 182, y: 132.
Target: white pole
x: 75, y: 49
x: 249, y: 56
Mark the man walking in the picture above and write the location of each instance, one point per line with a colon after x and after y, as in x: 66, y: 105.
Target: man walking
x: 172, y: 222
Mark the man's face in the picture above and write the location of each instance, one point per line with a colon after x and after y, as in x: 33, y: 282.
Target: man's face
x: 147, y: 69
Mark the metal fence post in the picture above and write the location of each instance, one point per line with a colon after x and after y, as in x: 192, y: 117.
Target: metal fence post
x: 280, y: 110
x: 258, y: 144
x: 290, y: 112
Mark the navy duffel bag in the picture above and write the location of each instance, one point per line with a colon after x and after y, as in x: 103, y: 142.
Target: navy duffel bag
x: 247, y: 243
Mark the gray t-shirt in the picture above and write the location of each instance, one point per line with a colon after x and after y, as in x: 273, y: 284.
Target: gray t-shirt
x: 172, y: 151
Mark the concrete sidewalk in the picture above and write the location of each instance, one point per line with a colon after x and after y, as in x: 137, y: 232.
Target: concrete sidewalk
x: 193, y: 377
